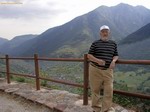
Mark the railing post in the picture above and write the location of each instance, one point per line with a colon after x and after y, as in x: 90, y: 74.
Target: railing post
x: 85, y: 96
x: 37, y: 71
x: 7, y: 69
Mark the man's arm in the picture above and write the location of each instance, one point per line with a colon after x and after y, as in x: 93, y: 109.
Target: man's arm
x: 115, y: 58
x: 96, y: 60
x: 113, y: 63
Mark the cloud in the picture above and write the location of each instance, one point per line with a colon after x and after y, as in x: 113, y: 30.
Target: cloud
x: 36, y: 16
x: 30, y: 9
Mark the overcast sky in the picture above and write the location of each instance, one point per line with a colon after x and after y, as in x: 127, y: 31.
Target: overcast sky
x: 19, y: 17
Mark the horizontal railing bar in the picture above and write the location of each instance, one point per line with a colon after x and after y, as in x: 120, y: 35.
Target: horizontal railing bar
x: 24, y: 75
x: 3, y: 58
x: 22, y: 58
x: 120, y: 61
x: 143, y: 96
x: 62, y: 59
x: 145, y: 62
x: 62, y: 82
x: 2, y: 72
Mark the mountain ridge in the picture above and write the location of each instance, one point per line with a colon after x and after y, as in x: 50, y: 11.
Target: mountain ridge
x: 10, y: 45
x: 74, y: 38
x: 136, y: 45
x: 3, y: 40
x: 139, y: 35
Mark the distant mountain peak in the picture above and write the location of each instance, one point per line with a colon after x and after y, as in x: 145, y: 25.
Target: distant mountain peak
x: 14, y: 43
x: 139, y: 35
x: 136, y: 45
x: 119, y: 5
x: 74, y: 38
x: 123, y: 4
x: 3, y: 38
x: 24, y: 36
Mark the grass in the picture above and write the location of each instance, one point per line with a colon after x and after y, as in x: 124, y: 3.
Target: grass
x: 132, y: 80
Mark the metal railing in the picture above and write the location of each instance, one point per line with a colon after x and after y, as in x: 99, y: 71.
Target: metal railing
x: 85, y: 84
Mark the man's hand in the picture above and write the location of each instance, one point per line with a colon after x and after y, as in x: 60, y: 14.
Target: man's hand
x: 112, y: 65
x: 101, y: 62
x: 96, y: 60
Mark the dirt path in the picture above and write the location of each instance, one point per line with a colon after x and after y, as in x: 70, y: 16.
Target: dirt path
x: 10, y: 103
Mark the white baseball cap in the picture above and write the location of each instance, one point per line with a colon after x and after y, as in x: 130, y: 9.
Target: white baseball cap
x: 104, y: 27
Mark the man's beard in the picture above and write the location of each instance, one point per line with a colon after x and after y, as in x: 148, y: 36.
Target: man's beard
x: 105, y: 38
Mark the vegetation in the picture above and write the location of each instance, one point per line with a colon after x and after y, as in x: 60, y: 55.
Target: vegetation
x: 134, y: 80
x: 140, y: 105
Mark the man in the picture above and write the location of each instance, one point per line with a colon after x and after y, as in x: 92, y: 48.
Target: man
x: 103, y: 56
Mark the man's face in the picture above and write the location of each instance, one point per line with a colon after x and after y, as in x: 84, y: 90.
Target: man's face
x: 104, y: 33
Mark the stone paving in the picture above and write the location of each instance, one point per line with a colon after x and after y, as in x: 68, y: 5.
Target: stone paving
x: 10, y: 103
x: 55, y: 100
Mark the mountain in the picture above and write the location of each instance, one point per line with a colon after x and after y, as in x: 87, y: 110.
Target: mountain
x: 140, y: 35
x: 74, y: 38
x: 136, y: 45
x: 11, y: 45
x: 2, y: 40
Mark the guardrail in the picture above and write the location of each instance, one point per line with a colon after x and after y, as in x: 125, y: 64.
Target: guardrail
x: 85, y: 84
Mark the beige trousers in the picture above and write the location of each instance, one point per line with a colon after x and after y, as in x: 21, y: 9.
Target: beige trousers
x: 101, y: 79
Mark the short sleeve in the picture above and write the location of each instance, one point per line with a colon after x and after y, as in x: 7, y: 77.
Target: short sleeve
x: 92, y: 49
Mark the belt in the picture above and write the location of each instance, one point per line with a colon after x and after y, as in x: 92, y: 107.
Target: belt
x: 102, y: 68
